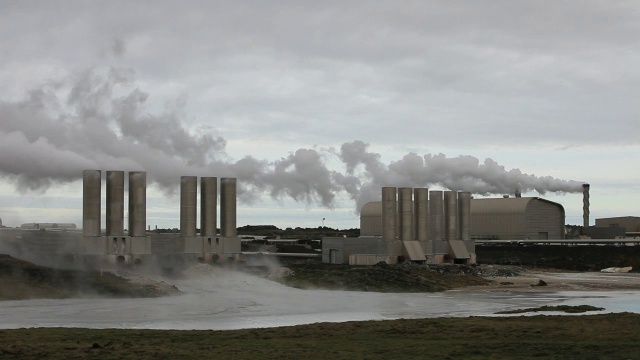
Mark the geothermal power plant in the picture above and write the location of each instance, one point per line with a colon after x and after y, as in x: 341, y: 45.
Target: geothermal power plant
x: 133, y: 243
x: 136, y: 245
x: 408, y: 224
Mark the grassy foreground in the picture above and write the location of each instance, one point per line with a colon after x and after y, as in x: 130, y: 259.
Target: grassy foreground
x: 607, y: 336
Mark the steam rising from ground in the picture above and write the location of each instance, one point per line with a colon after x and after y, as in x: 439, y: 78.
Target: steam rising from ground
x: 97, y: 120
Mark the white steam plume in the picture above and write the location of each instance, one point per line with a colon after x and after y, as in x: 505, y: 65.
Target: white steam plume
x: 95, y: 121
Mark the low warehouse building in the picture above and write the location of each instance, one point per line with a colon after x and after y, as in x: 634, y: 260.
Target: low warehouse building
x: 519, y: 218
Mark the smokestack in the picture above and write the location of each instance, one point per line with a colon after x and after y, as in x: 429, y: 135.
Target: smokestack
x: 405, y: 212
x: 421, y: 213
x: 518, y: 193
x: 137, y: 203
x: 464, y: 211
x: 208, y: 206
x: 436, y: 210
x: 188, y: 200
x: 451, y: 215
x: 585, y: 205
x: 389, y: 210
x: 228, y: 207
x: 115, y: 203
x: 91, y: 191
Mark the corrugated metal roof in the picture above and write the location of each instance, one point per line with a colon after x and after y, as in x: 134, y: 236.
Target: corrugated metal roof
x: 504, y: 205
x: 414, y: 250
x: 459, y: 249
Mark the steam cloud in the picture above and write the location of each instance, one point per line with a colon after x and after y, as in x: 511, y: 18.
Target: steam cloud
x: 91, y: 121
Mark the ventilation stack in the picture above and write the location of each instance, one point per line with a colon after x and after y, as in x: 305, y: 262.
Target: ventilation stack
x: 436, y: 209
x: 464, y: 211
x: 228, y: 207
x: 91, y: 191
x: 405, y: 214
x: 115, y: 203
x: 389, y: 210
x: 188, y: 200
x: 585, y: 205
x: 451, y: 215
x: 137, y: 203
x: 421, y: 213
x: 208, y: 206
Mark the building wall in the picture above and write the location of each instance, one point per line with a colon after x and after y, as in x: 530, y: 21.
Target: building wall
x: 629, y: 223
x: 342, y: 248
x: 544, y: 220
x: 516, y: 219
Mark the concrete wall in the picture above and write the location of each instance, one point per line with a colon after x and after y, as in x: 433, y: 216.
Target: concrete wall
x: 345, y: 247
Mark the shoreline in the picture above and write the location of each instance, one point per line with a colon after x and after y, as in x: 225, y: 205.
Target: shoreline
x: 555, y: 281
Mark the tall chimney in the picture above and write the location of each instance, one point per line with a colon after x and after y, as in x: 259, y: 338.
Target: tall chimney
x: 228, y: 207
x: 91, y: 191
x: 585, y: 205
x: 208, y: 205
x: 464, y: 212
x: 405, y: 213
x: 436, y: 210
x: 421, y: 213
x: 137, y: 203
x: 451, y: 215
x: 389, y: 211
x: 115, y: 203
x: 188, y: 200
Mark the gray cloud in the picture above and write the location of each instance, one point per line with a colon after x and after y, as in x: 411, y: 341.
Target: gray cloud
x: 47, y: 139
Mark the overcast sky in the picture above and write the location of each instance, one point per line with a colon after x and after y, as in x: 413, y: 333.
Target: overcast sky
x: 314, y: 105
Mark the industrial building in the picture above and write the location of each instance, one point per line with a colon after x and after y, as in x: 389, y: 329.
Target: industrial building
x: 516, y: 218
x: 138, y: 246
x: 629, y: 225
x: 410, y: 224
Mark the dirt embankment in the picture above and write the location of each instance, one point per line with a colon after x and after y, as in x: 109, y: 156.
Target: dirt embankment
x: 308, y: 274
x: 23, y: 280
x: 577, y: 258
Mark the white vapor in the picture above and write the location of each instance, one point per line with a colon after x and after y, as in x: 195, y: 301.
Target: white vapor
x: 100, y: 121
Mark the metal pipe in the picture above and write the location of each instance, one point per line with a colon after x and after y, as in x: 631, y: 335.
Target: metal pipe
x: 464, y: 211
x: 137, y: 203
x: 91, y: 192
x: 228, y: 207
x: 585, y: 205
x: 115, y: 203
x: 436, y: 209
x: 389, y: 211
x: 208, y: 206
x: 188, y: 200
x: 405, y: 214
x: 421, y: 213
x: 451, y: 215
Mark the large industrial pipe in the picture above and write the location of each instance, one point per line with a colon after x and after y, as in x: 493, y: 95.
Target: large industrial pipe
x: 436, y: 210
x: 451, y: 215
x: 228, y: 207
x: 464, y: 211
x: 91, y: 192
x: 115, y: 203
x: 188, y: 201
x: 208, y: 206
x: 137, y: 203
x: 389, y: 211
x: 585, y: 205
x: 421, y: 213
x: 405, y: 213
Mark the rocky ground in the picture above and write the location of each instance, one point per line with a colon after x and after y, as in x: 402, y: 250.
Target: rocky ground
x: 23, y: 280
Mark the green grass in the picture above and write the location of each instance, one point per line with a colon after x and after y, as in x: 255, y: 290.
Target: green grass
x: 606, y: 336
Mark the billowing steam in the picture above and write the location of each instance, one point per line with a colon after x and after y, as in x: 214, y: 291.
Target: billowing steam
x: 93, y: 122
